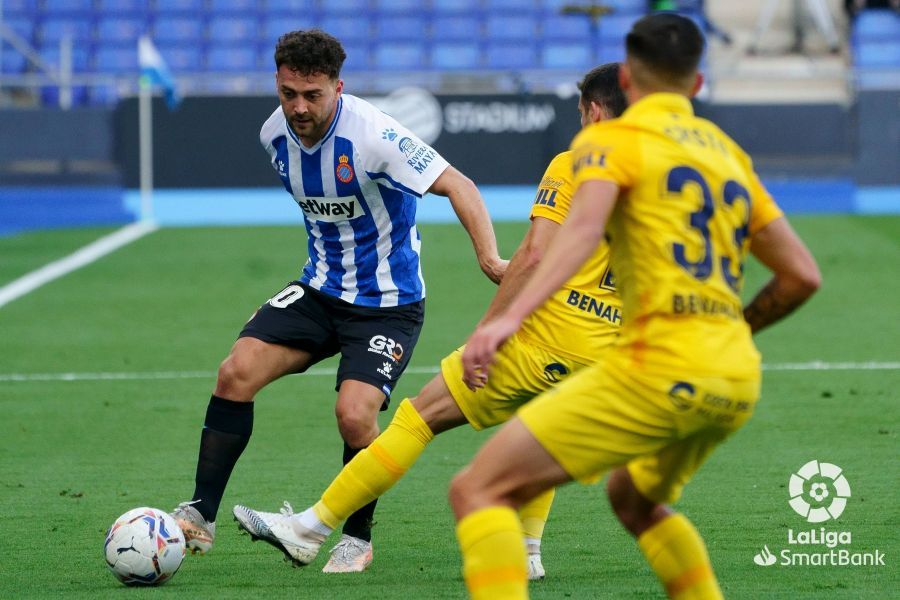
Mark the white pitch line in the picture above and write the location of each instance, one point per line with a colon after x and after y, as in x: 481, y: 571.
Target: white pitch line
x: 328, y: 372
x: 76, y: 260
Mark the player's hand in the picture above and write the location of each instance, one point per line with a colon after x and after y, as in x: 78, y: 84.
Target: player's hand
x: 495, y: 268
x: 481, y: 348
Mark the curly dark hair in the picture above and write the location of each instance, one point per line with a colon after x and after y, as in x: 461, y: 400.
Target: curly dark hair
x: 309, y: 52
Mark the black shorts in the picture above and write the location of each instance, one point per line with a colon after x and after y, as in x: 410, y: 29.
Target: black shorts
x: 375, y: 344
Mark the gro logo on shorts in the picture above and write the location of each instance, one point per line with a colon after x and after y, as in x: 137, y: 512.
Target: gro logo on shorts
x: 819, y: 491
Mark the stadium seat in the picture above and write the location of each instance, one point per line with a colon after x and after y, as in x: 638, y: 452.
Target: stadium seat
x: 877, y: 54
x: 117, y: 8
x: 399, y: 56
x: 512, y: 27
x: 567, y: 56
x: 103, y: 95
x: 247, y: 7
x: 459, y: 55
x: 19, y: 8
x: 345, y: 7
x: 611, y: 52
x: 400, y: 28
x: 233, y: 29
x: 119, y: 29
x: 628, y: 6
x: 50, y: 95
x: 512, y: 7
x: 357, y: 56
x: 454, y: 27
x: 194, y: 7
x: 613, y: 28
x: 68, y: 7
x: 52, y: 29
x: 876, y: 25
x: 24, y: 26
x: 116, y: 59
x: 169, y: 28
x: 510, y: 56
x: 231, y: 58
x: 274, y: 27
x: 568, y: 28
x: 13, y: 61
x: 457, y: 6
x: 187, y: 57
x: 404, y: 7
x: 80, y: 57
x: 347, y: 28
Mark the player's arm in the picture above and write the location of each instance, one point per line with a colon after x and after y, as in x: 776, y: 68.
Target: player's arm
x: 575, y: 241
x: 522, y: 264
x: 472, y: 213
x: 795, y: 274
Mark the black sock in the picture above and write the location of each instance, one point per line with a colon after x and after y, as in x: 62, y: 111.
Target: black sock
x: 226, y: 432
x: 359, y: 524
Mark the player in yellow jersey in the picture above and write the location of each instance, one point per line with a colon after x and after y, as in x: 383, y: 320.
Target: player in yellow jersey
x: 562, y: 337
x: 684, y: 206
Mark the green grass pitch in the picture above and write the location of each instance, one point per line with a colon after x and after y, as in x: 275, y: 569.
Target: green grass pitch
x: 76, y: 454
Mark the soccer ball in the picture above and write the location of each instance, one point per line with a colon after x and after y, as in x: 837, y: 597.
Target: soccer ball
x: 144, y: 546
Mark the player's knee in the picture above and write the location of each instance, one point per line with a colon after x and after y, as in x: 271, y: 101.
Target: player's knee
x: 636, y: 512
x: 357, y: 427
x: 460, y: 494
x: 233, y: 380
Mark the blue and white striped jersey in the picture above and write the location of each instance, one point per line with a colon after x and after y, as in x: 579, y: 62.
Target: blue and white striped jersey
x: 357, y: 188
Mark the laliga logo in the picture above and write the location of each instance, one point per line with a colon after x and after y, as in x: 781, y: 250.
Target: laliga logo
x: 819, y: 491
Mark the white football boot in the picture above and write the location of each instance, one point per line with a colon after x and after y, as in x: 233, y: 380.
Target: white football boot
x: 299, y: 544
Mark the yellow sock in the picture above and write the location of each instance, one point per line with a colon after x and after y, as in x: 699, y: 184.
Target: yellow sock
x: 534, y: 514
x: 677, y: 554
x: 493, y: 551
x: 377, y: 468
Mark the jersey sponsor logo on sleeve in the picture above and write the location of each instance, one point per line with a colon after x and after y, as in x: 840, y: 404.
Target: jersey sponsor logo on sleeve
x: 331, y: 210
x: 418, y: 156
x: 344, y: 170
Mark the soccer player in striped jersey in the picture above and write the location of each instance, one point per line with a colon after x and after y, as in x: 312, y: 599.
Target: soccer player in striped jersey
x: 356, y: 174
x: 684, y: 207
x: 561, y: 338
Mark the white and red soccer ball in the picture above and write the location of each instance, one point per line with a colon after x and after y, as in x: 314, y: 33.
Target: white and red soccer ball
x: 145, y: 546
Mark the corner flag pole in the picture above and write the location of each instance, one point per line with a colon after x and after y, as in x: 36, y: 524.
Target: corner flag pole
x: 145, y: 134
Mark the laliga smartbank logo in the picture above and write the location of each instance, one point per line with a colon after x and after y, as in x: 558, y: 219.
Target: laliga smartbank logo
x: 818, y: 492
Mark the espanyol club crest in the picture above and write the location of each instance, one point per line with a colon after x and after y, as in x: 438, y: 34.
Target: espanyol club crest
x: 344, y: 170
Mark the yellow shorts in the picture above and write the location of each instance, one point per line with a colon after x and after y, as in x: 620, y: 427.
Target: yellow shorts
x: 662, y: 427
x: 521, y: 372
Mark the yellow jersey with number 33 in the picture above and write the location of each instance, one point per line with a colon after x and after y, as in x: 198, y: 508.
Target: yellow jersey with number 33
x: 583, y: 316
x: 688, y: 202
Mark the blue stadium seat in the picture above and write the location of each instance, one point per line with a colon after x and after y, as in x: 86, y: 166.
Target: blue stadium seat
x: 404, y: 7
x: 274, y: 27
x: 120, y: 29
x: 567, y: 56
x: 179, y: 28
x: 876, y: 25
x: 186, y: 57
x: 399, y: 56
x: 116, y: 59
x: 513, y: 27
x: 516, y: 7
x: 568, y: 28
x: 68, y: 7
x: 22, y: 25
x: 611, y: 52
x: 194, y: 7
x: 357, y: 56
x: 50, y: 95
x: 52, y: 29
x: 19, y: 8
x: 877, y: 54
x: 13, y: 61
x: 231, y: 58
x: 110, y: 8
x: 80, y: 57
x: 628, y: 6
x: 613, y: 28
x: 510, y: 56
x: 456, y: 6
x: 233, y: 29
x: 218, y: 7
x: 455, y: 27
x: 400, y: 28
x: 455, y: 55
x: 103, y: 95
x: 345, y: 7
x: 347, y: 28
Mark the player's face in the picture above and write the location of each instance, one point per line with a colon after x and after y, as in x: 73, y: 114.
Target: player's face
x: 308, y: 102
